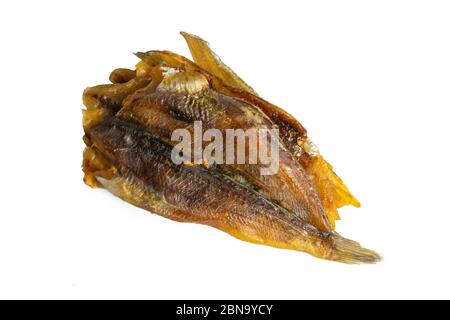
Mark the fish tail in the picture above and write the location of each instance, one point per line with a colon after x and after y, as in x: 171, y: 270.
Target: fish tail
x: 351, y: 252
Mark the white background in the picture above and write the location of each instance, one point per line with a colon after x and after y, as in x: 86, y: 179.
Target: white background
x: 369, y: 79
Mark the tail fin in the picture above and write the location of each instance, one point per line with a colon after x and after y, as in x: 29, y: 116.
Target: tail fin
x: 351, y: 252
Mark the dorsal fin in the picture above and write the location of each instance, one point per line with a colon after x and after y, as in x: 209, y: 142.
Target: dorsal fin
x: 208, y: 60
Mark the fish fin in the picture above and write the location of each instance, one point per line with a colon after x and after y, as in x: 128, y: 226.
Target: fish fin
x: 208, y: 60
x: 351, y: 252
x: 332, y: 191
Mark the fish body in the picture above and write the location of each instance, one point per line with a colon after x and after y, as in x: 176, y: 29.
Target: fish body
x: 129, y: 127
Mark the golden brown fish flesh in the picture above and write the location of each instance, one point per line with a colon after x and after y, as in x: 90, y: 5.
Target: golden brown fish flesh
x: 288, y: 202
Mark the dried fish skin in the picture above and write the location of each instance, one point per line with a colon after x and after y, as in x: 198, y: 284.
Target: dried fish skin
x: 332, y: 191
x: 127, y: 128
x: 149, y: 179
x: 171, y: 106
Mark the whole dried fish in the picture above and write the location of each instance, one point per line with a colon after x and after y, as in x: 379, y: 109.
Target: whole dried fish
x: 129, y: 128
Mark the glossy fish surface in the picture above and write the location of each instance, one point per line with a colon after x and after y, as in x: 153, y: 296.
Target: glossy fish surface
x: 129, y: 130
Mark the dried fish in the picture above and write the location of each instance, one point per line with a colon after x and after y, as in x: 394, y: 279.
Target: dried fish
x: 129, y: 127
